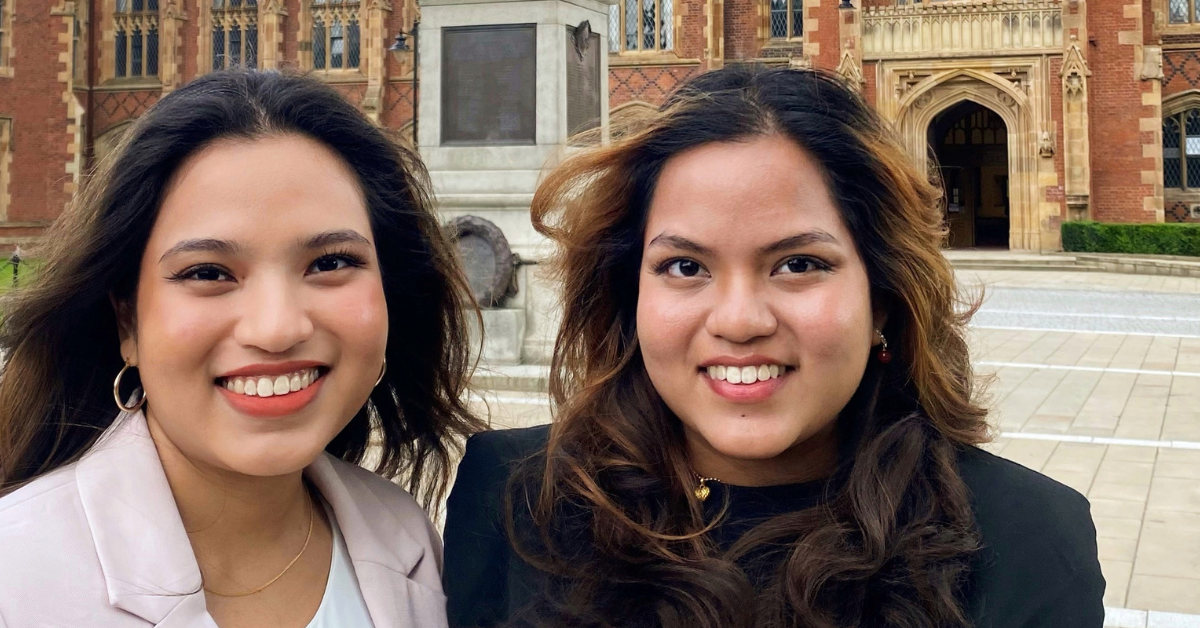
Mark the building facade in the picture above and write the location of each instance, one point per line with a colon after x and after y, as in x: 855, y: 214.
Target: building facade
x: 1037, y: 111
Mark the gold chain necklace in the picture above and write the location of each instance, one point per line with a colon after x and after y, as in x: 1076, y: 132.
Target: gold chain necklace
x: 702, y: 491
x: 311, y: 518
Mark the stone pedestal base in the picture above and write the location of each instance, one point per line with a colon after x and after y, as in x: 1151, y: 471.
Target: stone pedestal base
x: 503, y: 335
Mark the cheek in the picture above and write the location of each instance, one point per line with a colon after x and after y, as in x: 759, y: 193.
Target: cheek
x: 358, y: 315
x: 175, y: 327
x: 834, y: 324
x: 665, y: 325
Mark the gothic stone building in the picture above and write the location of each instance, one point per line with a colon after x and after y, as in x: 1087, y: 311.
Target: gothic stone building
x: 1038, y: 111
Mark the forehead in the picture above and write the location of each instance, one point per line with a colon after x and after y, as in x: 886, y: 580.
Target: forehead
x: 259, y: 191
x: 743, y: 193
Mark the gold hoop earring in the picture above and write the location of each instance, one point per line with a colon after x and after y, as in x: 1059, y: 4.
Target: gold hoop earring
x: 117, y: 392
x: 382, y: 371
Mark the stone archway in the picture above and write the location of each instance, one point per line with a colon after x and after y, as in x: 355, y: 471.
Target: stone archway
x: 1015, y: 93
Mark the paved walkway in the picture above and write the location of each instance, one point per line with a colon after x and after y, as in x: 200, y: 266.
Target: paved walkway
x: 1114, y: 414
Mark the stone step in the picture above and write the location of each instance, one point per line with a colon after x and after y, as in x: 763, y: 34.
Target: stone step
x: 521, y: 378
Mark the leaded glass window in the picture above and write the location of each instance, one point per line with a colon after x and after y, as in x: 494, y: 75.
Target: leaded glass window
x: 641, y: 25
x: 235, y: 34
x: 336, y: 35
x: 135, y: 39
x: 1181, y: 150
x: 1183, y: 11
x: 787, y: 19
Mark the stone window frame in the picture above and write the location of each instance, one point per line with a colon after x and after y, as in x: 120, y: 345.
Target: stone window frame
x: 7, y: 50
x: 1178, y: 107
x: 1161, y: 9
x: 666, y: 29
x: 6, y: 160
x: 347, y: 11
x: 145, y: 21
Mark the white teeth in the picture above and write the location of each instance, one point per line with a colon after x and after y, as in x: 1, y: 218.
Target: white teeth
x: 745, y: 374
x: 271, y: 386
x: 749, y: 375
x: 733, y: 375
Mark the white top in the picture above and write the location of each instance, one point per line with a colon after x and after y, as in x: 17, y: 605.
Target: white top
x: 343, y: 605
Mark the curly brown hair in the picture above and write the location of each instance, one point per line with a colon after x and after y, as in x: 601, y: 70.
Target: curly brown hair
x: 891, y: 544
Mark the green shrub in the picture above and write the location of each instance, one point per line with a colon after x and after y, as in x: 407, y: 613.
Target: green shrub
x: 1173, y: 238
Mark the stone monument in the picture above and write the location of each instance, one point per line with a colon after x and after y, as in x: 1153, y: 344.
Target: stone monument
x: 504, y: 84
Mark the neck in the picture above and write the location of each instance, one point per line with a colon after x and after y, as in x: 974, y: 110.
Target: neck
x: 228, y: 515
x: 814, y: 458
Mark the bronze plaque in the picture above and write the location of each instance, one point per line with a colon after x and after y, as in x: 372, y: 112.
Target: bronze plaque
x: 489, y: 84
x: 583, y: 79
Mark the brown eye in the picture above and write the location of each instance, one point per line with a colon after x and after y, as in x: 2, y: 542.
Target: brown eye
x: 685, y: 268
x: 801, y: 265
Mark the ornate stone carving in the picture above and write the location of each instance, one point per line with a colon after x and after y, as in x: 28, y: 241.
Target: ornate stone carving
x: 850, y: 70
x: 487, y: 261
x: 1046, y: 144
x: 1075, y: 70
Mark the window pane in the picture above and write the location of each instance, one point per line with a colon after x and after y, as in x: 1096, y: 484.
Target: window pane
x: 152, y: 52
x: 352, y: 52
x: 337, y: 47
x: 135, y: 65
x: 218, y: 51
x: 614, y: 28
x: 1178, y: 11
x: 235, y: 46
x: 631, y: 24
x: 319, y: 46
x: 139, y: 5
x: 779, y: 28
x: 797, y: 18
x: 122, y: 6
x: 666, y: 35
x: 152, y: 5
x: 648, y: 24
x: 251, y: 46
x: 122, y: 48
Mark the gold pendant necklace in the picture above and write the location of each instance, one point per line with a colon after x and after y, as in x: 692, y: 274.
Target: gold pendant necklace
x: 311, y: 518
x: 702, y: 492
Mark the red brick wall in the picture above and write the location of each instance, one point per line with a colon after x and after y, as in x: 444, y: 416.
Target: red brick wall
x: 1115, y: 107
x: 828, y: 34
x: 871, y: 89
x: 32, y: 98
x: 741, y: 29
x: 1181, y: 71
x: 649, y: 84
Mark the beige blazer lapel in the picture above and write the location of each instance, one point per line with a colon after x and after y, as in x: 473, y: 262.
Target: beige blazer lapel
x: 396, y: 557
x: 149, y: 568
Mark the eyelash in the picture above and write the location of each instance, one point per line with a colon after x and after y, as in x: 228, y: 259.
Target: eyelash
x: 352, y: 261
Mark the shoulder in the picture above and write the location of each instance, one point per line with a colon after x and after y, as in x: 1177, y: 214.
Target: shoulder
x: 503, y: 448
x: 1038, y: 563
x: 46, y: 546
x: 386, y: 504
x: 1011, y: 501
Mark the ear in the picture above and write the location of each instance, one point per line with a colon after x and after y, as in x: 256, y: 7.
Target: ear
x: 126, y: 328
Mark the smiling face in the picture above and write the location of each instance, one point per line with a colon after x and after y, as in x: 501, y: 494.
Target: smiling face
x: 260, y: 322
x: 754, y: 313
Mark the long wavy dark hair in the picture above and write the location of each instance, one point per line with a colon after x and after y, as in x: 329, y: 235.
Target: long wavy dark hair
x: 891, y: 544
x: 59, y: 336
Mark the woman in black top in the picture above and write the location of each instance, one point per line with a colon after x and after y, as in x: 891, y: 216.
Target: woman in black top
x: 765, y: 413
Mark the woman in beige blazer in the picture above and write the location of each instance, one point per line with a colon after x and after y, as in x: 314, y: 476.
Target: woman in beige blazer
x: 250, y: 300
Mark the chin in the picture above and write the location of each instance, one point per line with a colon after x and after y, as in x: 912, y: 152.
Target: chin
x: 756, y: 443
x: 271, y: 457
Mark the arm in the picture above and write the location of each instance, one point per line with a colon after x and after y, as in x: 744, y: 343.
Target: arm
x: 477, y: 549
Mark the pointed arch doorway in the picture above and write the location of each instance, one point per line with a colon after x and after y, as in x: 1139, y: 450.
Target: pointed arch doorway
x: 970, y: 143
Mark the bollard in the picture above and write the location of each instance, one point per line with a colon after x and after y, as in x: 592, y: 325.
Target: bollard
x: 15, y: 260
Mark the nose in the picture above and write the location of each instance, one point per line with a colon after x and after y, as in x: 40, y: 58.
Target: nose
x: 273, y: 316
x: 741, y: 313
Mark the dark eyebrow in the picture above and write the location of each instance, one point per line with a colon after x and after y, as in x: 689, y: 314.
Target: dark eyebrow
x: 209, y: 245
x: 680, y: 242
x: 799, y: 240
x: 333, y: 238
